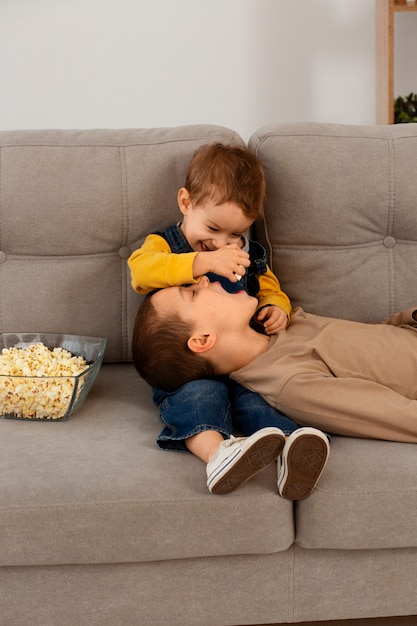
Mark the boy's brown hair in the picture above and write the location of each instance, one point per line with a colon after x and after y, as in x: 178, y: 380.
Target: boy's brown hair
x: 227, y: 173
x: 160, y: 351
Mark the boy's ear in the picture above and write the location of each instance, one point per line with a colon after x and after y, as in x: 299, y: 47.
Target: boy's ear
x: 184, y: 200
x: 201, y: 343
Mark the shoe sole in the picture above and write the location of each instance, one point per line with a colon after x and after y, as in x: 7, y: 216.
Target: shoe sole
x: 260, y: 454
x: 304, y: 464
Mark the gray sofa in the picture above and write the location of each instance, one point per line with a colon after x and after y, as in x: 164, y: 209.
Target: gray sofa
x: 100, y: 527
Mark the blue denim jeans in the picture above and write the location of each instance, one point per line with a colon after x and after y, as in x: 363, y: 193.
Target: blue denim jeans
x: 218, y: 404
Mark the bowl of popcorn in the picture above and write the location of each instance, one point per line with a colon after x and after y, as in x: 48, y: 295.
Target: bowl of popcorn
x: 46, y: 376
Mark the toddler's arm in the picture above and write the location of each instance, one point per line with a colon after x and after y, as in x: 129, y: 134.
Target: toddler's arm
x: 154, y: 266
x: 274, y: 309
x: 227, y: 261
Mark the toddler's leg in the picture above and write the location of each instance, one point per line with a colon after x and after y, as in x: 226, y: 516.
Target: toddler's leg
x: 198, y: 406
x: 302, y: 462
x: 237, y: 459
x: 306, y: 450
x: 250, y: 412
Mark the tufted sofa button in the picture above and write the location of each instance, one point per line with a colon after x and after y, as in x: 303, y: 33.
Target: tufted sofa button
x: 125, y: 252
x: 389, y: 242
x: 3, y: 256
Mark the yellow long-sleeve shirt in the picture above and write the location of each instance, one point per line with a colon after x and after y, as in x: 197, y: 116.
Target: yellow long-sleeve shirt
x: 154, y: 266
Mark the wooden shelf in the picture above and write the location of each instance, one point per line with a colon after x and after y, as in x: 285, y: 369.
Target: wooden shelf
x: 385, y: 27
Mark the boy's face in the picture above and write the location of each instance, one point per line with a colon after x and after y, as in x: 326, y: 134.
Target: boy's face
x: 207, y: 306
x: 211, y: 226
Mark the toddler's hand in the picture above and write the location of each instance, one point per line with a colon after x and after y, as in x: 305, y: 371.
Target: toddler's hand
x: 229, y: 261
x: 273, y: 319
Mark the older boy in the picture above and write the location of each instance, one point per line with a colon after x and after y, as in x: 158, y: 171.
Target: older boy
x: 345, y: 377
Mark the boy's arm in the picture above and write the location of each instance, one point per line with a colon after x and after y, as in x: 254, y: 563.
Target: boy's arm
x: 407, y: 318
x: 154, y: 266
x: 270, y: 293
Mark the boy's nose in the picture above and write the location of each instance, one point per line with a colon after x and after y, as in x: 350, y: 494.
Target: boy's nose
x: 219, y: 241
x: 204, y: 282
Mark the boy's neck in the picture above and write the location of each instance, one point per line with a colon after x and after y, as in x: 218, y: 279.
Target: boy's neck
x: 240, y: 350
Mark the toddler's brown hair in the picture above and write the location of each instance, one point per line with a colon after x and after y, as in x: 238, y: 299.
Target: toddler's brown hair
x: 227, y: 173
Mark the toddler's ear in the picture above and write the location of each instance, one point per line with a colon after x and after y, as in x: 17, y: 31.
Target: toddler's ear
x: 201, y: 343
x: 184, y: 200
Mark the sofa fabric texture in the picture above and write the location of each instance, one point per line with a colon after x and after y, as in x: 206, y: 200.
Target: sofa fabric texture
x: 98, y: 526
x: 344, y: 239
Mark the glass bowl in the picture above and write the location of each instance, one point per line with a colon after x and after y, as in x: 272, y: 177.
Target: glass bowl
x: 48, y: 397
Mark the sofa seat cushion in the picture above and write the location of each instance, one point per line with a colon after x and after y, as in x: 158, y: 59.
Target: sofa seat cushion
x: 97, y: 489
x: 366, y: 498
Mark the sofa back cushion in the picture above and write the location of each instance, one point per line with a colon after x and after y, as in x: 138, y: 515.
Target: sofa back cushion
x: 73, y: 206
x: 341, y: 216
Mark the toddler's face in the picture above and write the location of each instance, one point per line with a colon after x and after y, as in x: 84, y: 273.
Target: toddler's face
x: 211, y: 226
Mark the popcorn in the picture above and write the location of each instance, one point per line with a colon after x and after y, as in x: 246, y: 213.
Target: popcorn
x: 36, y: 382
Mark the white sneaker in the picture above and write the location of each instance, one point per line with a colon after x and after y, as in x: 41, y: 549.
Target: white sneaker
x: 240, y: 458
x: 302, y: 462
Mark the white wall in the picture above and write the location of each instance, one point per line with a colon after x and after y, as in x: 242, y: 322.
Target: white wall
x: 144, y: 63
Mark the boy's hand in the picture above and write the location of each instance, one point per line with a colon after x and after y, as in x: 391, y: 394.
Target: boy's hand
x: 273, y: 319
x: 227, y: 261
